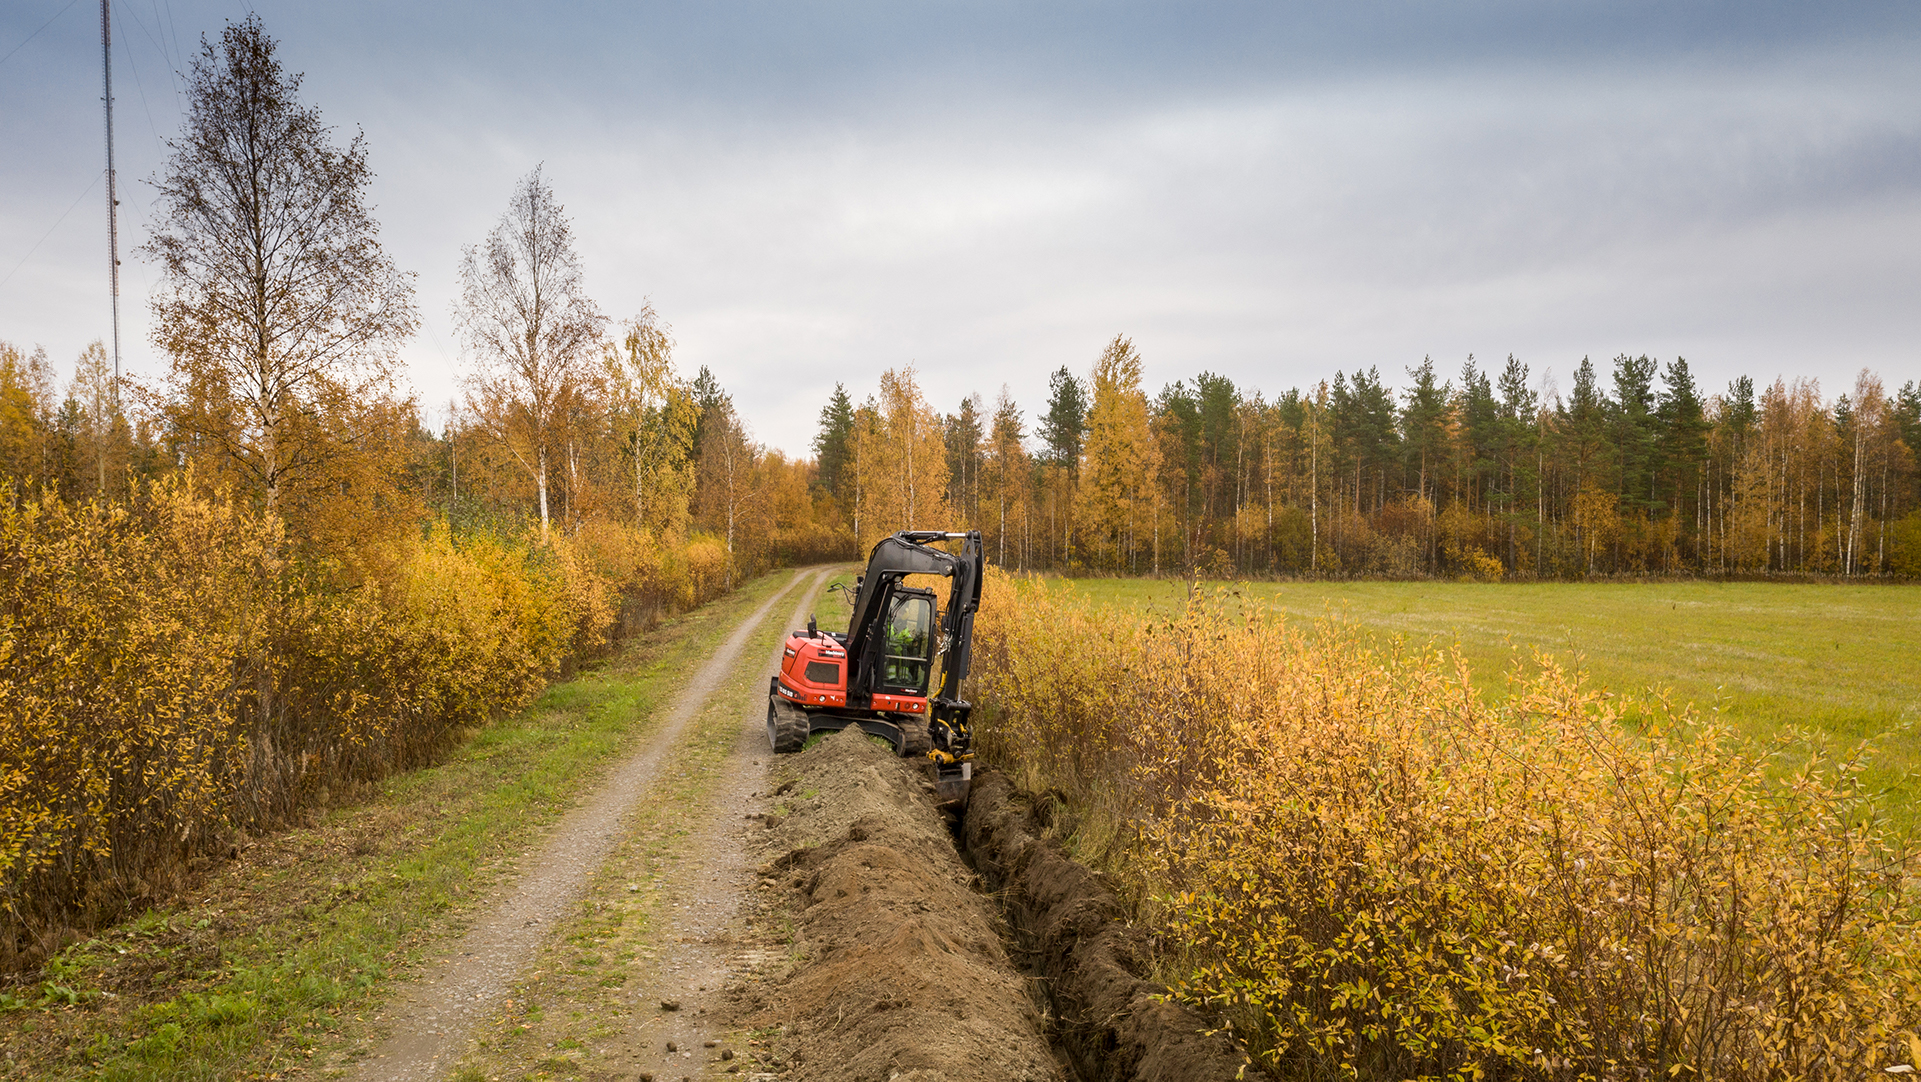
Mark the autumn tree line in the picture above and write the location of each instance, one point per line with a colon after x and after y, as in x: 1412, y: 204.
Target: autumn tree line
x: 1636, y: 471
x: 231, y: 592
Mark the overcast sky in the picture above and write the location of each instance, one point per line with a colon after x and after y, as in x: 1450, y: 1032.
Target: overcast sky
x: 812, y: 194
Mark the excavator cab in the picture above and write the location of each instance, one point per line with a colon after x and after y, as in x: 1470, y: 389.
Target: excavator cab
x: 880, y: 674
x: 907, y: 659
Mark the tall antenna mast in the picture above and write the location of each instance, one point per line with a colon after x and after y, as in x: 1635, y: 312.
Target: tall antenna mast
x: 113, y: 199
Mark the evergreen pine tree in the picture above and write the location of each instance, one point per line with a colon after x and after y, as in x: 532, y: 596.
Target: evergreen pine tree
x: 707, y: 396
x: 830, y: 443
x: 1684, y: 445
x: 1634, y: 425
x: 1064, y: 426
x: 1423, y: 424
x: 963, y: 434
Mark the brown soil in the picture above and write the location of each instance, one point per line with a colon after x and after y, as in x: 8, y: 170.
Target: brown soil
x: 896, y: 969
x: 1113, y: 1025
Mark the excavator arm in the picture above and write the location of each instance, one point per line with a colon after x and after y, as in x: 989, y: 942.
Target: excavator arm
x: 877, y: 676
x: 910, y: 552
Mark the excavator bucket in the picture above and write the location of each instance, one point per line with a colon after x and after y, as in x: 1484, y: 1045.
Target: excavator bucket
x: 951, y: 789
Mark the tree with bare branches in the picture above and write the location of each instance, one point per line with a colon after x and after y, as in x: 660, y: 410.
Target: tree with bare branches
x: 725, y: 469
x: 533, y: 330
x: 279, y: 308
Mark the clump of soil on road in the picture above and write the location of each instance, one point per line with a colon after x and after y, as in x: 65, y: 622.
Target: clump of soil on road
x: 1112, y: 1024
x: 897, y: 968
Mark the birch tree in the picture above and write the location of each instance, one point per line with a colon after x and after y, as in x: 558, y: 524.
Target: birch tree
x: 1866, y: 456
x: 654, y: 419
x: 1120, y: 458
x: 727, y: 461
x: 900, y: 461
x: 101, y: 434
x: 1006, y: 473
x: 964, y: 437
x: 26, y: 417
x: 525, y: 316
x: 276, y: 301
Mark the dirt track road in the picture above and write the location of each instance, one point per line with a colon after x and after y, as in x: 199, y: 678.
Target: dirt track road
x: 438, y: 1019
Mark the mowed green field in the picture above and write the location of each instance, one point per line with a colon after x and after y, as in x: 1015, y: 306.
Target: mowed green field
x: 1843, y: 661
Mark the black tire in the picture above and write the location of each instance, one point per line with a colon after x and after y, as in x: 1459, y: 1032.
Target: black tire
x: 786, y: 727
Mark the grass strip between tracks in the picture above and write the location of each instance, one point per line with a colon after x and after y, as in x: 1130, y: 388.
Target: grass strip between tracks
x: 271, y: 966
x: 570, y: 1015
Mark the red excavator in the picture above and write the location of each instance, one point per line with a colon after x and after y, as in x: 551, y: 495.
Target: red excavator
x: 877, y: 675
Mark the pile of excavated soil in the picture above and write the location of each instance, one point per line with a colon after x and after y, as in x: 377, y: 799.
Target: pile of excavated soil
x: 896, y: 968
x: 1111, y: 1024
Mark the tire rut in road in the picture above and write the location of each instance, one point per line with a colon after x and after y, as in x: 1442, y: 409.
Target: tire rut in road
x: 660, y: 922
x: 432, y: 1021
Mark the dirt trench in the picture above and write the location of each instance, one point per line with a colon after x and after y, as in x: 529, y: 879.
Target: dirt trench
x: 898, y: 966
x: 1111, y: 1024
x: 895, y: 969
x: 803, y: 918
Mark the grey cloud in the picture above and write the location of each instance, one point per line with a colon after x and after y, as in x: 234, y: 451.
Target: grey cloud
x: 812, y: 194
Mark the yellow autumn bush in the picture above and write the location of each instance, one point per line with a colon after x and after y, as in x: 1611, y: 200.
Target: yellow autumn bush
x: 709, y: 569
x: 168, y: 673
x: 379, y: 679
x: 1376, y: 872
x: 125, y: 636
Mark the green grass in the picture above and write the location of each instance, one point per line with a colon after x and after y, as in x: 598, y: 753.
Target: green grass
x: 834, y: 609
x: 273, y: 964
x: 1843, y: 662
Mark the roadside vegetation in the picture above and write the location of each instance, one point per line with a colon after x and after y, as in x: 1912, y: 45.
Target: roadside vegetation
x: 276, y: 961
x: 1375, y: 868
x: 234, y: 593
x: 238, y: 597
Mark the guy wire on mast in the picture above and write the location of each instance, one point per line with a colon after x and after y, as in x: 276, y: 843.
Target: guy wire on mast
x: 113, y: 200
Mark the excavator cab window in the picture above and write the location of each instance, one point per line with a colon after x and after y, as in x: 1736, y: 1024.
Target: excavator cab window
x: 909, y: 650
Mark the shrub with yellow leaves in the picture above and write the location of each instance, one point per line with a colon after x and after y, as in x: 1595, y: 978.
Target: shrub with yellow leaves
x: 126, y: 635
x: 167, y: 674
x: 1374, y: 871
x: 709, y: 569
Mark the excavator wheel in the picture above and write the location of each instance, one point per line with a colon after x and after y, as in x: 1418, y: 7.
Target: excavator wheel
x: 787, y: 726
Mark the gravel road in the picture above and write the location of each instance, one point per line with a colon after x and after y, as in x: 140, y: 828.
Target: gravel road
x: 432, y: 1021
